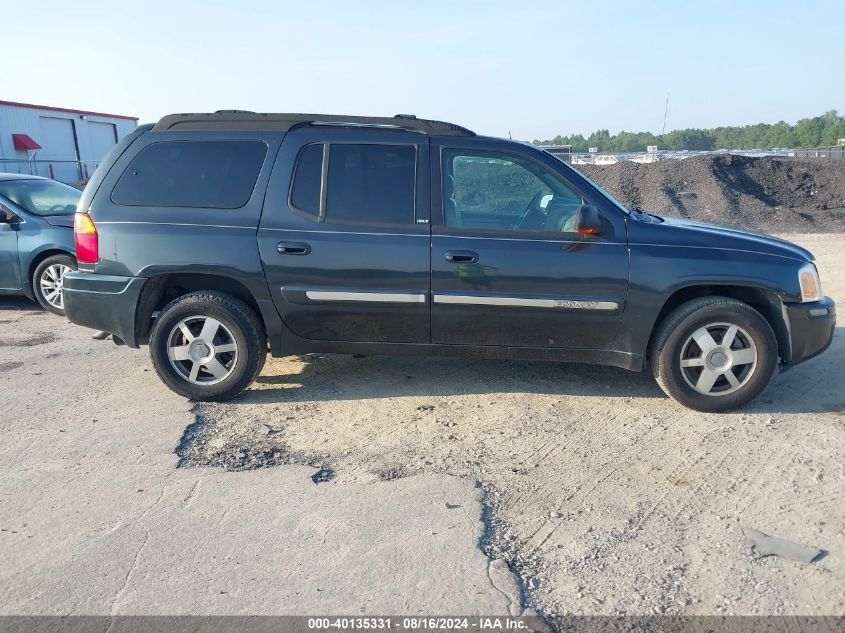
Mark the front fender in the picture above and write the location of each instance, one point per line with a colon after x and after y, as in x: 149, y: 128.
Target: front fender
x: 659, y: 272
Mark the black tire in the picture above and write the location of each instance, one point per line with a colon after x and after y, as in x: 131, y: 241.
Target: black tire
x: 674, y: 338
x: 240, y: 324
x: 45, y: 271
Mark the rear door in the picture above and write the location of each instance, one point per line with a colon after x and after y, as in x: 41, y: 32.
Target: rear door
x: 344, y: 235
x: 507, y: 267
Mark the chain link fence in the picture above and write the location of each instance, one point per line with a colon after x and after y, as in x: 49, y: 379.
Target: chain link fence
x: 68, y: 171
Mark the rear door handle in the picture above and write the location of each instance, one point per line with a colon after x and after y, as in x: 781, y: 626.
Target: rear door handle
x: 461, y: 257
x: 293, y: 248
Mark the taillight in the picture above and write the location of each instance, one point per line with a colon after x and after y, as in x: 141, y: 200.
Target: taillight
x: 85, y: 238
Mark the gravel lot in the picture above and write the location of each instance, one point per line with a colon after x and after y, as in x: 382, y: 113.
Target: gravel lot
x: 602, y: 495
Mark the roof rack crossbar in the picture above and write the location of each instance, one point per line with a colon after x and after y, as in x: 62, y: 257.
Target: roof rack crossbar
x: 244, y: 120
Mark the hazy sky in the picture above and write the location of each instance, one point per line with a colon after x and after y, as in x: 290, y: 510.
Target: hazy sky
x: 534, y: 69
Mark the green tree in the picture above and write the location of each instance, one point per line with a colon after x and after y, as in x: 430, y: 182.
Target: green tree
x: 820, y: 131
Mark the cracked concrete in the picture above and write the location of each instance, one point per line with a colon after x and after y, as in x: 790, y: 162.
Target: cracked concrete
x: 609, y: 498
x: 603, y: 495
x: 504, y: 581
x: 96, y: 519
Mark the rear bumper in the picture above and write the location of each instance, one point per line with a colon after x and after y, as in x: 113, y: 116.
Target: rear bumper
x: 103, y: 302
x: 810, y: 328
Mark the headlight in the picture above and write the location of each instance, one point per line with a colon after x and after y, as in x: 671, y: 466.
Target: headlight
x: 811, y: 287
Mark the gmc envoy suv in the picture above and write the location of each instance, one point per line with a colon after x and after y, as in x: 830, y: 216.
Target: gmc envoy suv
x: 211, y: 236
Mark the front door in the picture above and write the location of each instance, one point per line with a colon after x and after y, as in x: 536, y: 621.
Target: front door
x: 10, y: 278
x: 508, y: 268
x: 345, y: 242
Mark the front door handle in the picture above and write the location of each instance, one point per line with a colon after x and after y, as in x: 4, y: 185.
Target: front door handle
x: 462, y: 257
x: 293, y: 248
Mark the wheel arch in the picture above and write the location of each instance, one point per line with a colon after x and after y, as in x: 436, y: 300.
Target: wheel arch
x: 161, y: 289
x: 35, y: 259
x: 766, y: 302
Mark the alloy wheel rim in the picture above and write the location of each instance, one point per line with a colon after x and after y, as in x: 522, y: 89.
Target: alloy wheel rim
x: 718, y: 359
x: 52, y: 284
x: 202, y: 350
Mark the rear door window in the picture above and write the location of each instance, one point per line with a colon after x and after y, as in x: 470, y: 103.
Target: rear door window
x: 371, y: 184
x: 307, y: 180
x: 216, y: 174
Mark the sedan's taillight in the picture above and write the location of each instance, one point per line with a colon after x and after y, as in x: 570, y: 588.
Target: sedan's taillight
x: 85, y: 239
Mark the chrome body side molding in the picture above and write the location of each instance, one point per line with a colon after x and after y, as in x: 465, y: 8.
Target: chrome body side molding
x: 527, y: 302
x: 370, y: 297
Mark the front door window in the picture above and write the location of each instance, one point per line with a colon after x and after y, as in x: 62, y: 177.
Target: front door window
x: 504, y: 192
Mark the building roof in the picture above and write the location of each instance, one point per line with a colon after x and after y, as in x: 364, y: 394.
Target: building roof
x: 241, y: 120
x: 71, y: 110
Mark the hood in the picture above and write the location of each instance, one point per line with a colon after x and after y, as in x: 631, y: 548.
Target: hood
x: 59, y: 220
x: 693, y: 233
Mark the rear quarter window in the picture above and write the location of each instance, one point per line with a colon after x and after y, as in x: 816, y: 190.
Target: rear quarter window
x: 203, y: 174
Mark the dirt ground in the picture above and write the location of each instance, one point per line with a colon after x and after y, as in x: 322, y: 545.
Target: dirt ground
x: 97, y: 519
x: 603, y: 495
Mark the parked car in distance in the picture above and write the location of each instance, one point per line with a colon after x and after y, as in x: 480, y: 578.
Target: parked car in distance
x: 36, y: 237
x: 606, y: 159
x: 208, y: 236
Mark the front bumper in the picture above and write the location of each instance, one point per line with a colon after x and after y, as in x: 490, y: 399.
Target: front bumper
x: 103, y: 302
x: 810, y: 328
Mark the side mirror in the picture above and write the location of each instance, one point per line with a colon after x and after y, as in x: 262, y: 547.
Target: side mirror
x: 7, y: 216
x: 588, y: 220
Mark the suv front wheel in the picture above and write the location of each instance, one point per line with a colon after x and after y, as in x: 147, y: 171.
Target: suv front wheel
x: 208, y: 345
x: 714, y: 354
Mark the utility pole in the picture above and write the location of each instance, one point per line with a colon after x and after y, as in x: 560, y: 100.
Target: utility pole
x: 665, y: 112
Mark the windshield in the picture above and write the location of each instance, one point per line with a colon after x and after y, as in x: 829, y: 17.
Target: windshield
x: 41, y: 197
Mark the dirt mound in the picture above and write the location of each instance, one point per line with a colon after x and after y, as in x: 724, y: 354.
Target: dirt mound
x: 754, y: 193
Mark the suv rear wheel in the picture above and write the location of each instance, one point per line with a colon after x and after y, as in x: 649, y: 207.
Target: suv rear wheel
x: 208, y: 345
x: 714, y: 354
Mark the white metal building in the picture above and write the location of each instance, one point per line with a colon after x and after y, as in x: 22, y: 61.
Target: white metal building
x: 58, y: 143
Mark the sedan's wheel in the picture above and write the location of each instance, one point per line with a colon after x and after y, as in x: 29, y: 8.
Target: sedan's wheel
x: 714, y: 354
x: 208, y: 345
x: 48, y: 282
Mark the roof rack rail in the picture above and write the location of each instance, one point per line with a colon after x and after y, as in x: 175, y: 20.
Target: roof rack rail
x: 234, y: 112
x: 230, y: 120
